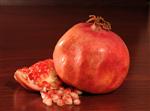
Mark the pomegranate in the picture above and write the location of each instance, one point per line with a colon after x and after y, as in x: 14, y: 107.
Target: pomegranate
x: 91, y: 57
x: 39, y: 76
x: 42, y: 77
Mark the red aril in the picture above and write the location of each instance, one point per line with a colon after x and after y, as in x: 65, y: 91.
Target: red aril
x: 91, y: 57
x: 39, y: 76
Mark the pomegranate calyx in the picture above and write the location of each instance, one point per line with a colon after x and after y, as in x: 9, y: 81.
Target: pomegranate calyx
x: 99, y: 23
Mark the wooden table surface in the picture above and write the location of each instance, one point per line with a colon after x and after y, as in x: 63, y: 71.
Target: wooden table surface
x: 29, y: 34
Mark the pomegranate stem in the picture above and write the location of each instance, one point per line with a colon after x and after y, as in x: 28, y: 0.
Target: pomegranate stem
x: 99, y: 23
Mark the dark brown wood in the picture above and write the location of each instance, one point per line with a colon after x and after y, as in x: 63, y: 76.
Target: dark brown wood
x: 29, y: 34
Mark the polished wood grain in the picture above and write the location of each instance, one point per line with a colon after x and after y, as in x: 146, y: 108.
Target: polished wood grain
x: 29, y: 34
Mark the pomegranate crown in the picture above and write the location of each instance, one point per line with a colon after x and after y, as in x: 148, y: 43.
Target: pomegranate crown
x: 99, y: 22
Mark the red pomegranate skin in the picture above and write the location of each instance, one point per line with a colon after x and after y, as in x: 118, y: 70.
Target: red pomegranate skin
x: 95, y: 61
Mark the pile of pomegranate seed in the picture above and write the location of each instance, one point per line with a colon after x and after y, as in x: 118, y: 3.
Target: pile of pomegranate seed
x: 60, y: 96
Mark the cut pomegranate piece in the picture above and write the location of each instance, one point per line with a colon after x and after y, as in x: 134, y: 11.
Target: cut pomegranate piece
x: 39, y: 76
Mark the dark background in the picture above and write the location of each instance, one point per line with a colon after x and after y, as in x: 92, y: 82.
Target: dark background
x: 74, y: 2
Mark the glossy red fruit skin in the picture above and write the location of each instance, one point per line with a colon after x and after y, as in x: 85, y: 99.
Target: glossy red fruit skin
x: 92, y: 61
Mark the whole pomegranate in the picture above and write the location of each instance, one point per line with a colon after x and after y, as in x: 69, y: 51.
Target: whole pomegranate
x: 92, y: 58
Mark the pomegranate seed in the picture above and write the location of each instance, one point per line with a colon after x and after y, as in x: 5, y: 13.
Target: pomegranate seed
x: 54, y: 91
x: 60, y: 102
x: 46, y: 84
x: 67, y: 99
x: 76, y: 102
x: 25, y: 70
x: 67, y: 91
x: 31, y: 76
x: 44, y: 89
x: 43, y: 95
x: 55, y: 98
x: 60, y: 92
x: 61, y: 88
x: 74, y: 95
x: 47, y: 101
